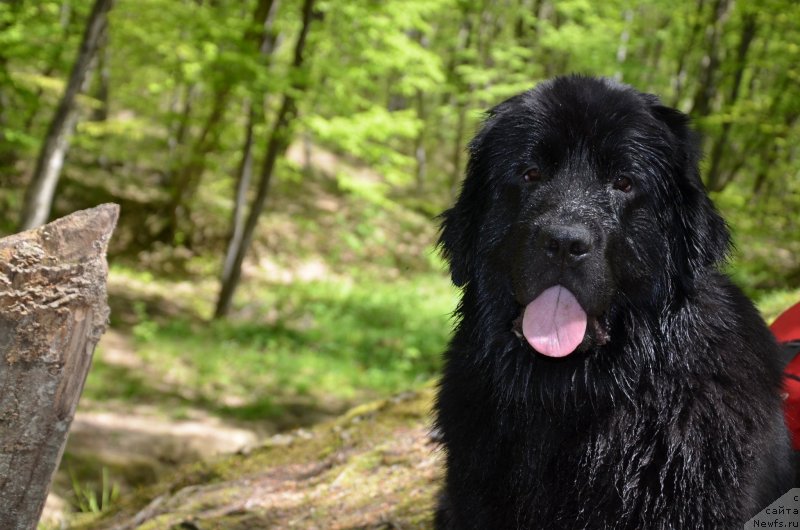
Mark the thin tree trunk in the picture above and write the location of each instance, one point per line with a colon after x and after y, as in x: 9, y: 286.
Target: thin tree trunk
x: 680, y: 73
x: 179, y: 128
x: 624, y: 39
x: 715, y: 181
x: 101, y: 92
x: 420, y: 153
x: 6, y: 155
x: 652, y: 55
x: 278, y: 142
x: 707, y: 82
x: 266, y: 38
x: 464, y: 42
x: 771, y: 157
x: 40, y: 192
x: 187, y: 180
x: 53, y: 311
x: 64, y: 20
x: 243, y: 179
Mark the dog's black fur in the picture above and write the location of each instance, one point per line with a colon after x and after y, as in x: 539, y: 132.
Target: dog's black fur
x: 668, y: 415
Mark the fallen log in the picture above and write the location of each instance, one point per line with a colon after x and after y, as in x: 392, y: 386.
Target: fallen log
x: 53, y: 310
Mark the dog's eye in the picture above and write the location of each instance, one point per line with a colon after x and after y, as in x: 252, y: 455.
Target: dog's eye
x: 531, y: 174
x: 623, y: 183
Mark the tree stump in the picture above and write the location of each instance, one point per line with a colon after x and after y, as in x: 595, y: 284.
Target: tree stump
x: 53, y: 310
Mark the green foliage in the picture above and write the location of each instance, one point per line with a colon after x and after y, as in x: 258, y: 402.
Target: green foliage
x: 331, y: 338
x: 318, y: 341
x: 399, y: 87
x: 773, y: 303
x: 90, y: 500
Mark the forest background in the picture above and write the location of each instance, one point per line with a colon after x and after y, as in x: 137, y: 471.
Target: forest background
x: 280, y: 165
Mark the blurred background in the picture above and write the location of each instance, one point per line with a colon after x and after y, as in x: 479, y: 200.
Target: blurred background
x: 280, y: 165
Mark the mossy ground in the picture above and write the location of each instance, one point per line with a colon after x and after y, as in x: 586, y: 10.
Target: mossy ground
x: 373, y: 467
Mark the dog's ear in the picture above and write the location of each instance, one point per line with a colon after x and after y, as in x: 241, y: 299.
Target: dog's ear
x: 456, y: 241
x: 705, y: 234
x: 461, y: 224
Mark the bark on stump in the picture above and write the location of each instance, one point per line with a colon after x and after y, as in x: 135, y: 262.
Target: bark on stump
x: 53, y: 310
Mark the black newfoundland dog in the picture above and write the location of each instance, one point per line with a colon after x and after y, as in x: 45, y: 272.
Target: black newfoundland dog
x: 604, y: 373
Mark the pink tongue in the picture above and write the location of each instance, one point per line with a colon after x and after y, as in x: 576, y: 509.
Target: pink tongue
x: 554, y: 323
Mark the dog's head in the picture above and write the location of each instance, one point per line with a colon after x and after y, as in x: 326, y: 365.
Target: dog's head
x: 582, y: 195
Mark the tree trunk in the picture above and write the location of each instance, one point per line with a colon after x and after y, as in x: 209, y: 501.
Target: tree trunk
x: 7, y: 157
x: 681, y: 73
x: 265, y: 15
x: 101, y: 90
x: 53, y: 62
x: 420, y: 154
x: 53, y: 311
x: 267, y: 36
x: 243, y: 178
x: 279, y: 140
x: 39, y: 196
x: 768, y: 160
x: 179, y: 126
x: 464, y: 42
x: 714, y: 179
x: 709, y: 73
x: 624, y: 39
x: 187, y: 180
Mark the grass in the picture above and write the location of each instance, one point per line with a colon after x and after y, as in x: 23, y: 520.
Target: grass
x: 773, y: 303
x: 321, y: 343
x: 89, y: 500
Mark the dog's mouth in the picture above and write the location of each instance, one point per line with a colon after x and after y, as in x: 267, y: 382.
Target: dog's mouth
x: 555, y: 324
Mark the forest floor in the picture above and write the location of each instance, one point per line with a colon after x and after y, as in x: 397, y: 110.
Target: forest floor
x: 168, y: 388
x: 373, y: 467
x: 306, y: 342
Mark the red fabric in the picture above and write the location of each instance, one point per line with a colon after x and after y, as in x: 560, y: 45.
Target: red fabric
x: 787, y: 328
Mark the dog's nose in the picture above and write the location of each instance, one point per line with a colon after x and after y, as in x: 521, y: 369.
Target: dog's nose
x: 568, y: 243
